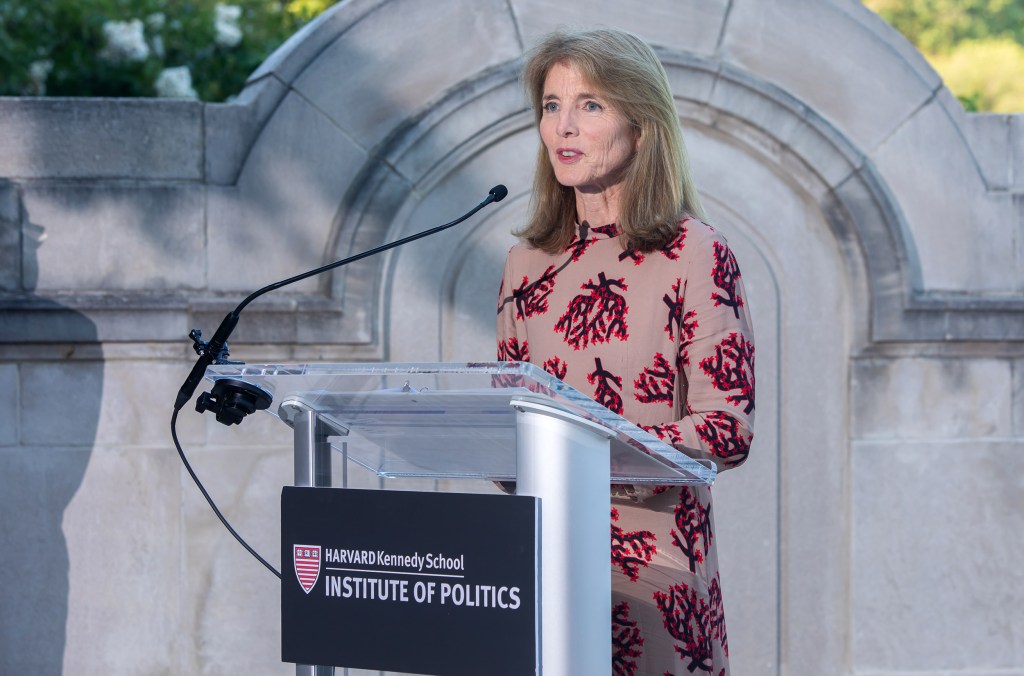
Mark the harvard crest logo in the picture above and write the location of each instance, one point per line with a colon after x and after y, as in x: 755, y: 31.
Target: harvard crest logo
x: 307, y: 565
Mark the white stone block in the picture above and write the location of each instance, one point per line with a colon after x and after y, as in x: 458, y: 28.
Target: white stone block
x: 692, y: 79
x: 365, y: 222
x: 856, y: 83
x: 964, y: 238
x: 277, y: 221
x: 784, y: 121
x: 142, y: 317
x: 10, y: 237
x: 693, y: 26
x: 112, y: 237
x: 35, y: 488
x: 60, y: 403
x: 877, y: 260
x: 1018, y: 216
x: 931, y: 398
x: 372, y: 79
x: 233, y: 602
x: 431, y: 274
x: 471, y: 289
x: 462, y: 122
x: 123, y: 529
x: 1017, y: 152
x: 757, y: 103
x: 288, y: 60
x: 9, y: 405
x: 230, y: 129
x: 1018, y: 398
x: 935, y: 570
x: 989, y: 137
x: 101, y: 138
x: 138, y: 397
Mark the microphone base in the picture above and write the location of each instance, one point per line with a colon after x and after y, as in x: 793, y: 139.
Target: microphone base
x: 231, y: 400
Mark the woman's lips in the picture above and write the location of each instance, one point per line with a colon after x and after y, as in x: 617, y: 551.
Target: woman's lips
x: 568, y: 155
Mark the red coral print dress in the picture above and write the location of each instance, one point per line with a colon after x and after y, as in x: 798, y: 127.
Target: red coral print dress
x: 664, y: 339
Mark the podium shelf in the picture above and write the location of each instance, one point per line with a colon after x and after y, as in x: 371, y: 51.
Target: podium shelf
x: 451, y: 420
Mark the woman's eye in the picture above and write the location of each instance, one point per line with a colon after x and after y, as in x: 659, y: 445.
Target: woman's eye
x: 550, y: 107
x: 592, y: 106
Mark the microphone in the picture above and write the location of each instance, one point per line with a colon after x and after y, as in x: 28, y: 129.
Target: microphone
x: 498, y: 192
x: 215, y: 350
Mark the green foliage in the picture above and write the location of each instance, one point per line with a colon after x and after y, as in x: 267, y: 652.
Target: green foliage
x: 976, y: 46
x: 938, y: 26
x: 987, y: 75
x: 60, y: 48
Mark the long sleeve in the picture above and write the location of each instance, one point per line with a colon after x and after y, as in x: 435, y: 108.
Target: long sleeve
x: 715, y: 357
x: 510, y: 346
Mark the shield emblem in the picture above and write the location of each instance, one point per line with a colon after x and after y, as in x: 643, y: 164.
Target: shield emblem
x: 307, y: 565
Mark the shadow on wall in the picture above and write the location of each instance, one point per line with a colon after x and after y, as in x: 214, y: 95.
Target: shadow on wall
x: 48, y: 418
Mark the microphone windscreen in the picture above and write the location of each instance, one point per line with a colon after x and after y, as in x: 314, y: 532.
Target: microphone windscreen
x: 499, y: 192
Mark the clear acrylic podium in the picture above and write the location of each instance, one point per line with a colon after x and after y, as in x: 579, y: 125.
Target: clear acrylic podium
x: 505, y: 421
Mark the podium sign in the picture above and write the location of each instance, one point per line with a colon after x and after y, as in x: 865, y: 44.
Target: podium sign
x: 435, y: 583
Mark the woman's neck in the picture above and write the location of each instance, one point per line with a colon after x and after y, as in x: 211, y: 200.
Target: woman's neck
x: 598, y: 208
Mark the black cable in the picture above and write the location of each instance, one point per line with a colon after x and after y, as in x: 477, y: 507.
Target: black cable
x: 202, y: 489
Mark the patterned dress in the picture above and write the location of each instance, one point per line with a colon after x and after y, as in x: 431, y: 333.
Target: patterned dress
x: 664, y: 339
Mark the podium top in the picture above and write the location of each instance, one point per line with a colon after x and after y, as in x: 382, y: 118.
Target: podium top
x: 451, y: 420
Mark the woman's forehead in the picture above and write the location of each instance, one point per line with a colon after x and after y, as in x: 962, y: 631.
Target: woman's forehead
x: 568, y: 72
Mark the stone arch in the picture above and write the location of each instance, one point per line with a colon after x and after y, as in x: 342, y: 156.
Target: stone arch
x: 717, y: 77
x: 415, y: 167
x: 806, y: 174
x: 862, y: 214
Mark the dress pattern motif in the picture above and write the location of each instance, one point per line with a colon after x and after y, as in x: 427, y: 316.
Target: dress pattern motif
x: 662, y: 338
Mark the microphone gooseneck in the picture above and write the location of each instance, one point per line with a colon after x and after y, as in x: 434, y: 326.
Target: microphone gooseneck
x: 211, y: 352
x: 233, y: 399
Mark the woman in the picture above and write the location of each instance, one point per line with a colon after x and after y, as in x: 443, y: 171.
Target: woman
x: 620, y: 290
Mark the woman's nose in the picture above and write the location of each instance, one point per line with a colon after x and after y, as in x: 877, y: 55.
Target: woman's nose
x: 566, y: 123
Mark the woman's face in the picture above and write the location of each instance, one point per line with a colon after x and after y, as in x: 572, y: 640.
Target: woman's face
x: 588, y: 142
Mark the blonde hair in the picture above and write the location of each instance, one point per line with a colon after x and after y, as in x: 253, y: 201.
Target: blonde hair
x: 657, y: 188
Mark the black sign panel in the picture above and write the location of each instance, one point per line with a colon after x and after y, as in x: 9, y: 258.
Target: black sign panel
x: 426, y: 583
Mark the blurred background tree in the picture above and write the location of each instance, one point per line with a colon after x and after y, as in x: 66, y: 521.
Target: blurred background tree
x: 205, y: 49
x: 175, y: 48
x: 976, y: 46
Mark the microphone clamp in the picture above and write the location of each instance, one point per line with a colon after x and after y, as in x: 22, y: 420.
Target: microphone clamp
x: 201, y: 348
x: 231, y: 400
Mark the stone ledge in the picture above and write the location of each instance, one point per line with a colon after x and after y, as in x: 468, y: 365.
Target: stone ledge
x: 180, y: 352
x: 101, y: 138
x: 59, y: 324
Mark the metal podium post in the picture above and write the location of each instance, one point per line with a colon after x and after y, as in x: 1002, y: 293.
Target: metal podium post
x: 312, y: 468
x: 564, y: 460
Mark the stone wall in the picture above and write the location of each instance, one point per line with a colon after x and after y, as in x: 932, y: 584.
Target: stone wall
x: 874, y: 528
